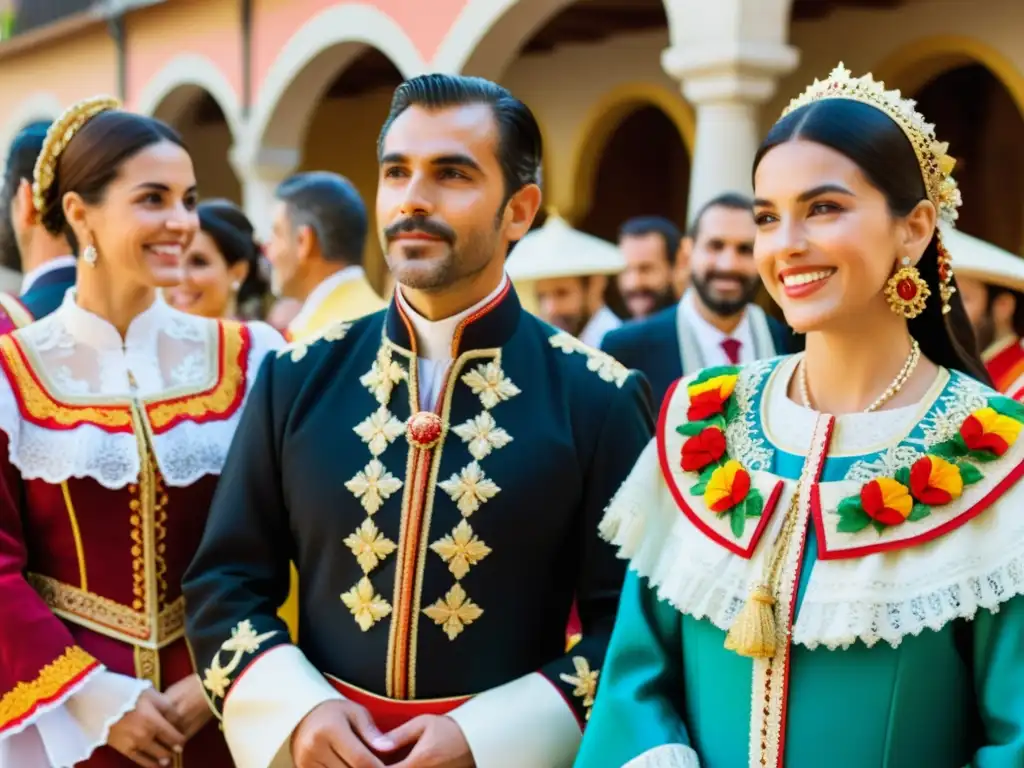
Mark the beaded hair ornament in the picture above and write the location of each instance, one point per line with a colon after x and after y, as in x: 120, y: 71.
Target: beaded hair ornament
x: 57, y: 139
x: 932, y: 155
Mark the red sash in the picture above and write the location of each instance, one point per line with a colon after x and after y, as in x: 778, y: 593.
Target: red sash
x: 391, y: 713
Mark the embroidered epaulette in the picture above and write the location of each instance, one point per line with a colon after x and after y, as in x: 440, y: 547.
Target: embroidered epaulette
x: 604, y: 365
x: 298, y: 349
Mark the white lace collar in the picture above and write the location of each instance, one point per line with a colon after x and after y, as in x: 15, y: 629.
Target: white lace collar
x: 97, y: 332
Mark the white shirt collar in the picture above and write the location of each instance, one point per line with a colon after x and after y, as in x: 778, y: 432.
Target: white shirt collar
x: 96, y: 332
x: 434, y: 337
x: 45, y: 268
x: 710, y: 338
x: 319, y: 294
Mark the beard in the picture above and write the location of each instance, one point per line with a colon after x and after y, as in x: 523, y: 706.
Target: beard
x: 571, y: 324
x: 721, y: 306
x: 656, y: 300
x: 415, y: 267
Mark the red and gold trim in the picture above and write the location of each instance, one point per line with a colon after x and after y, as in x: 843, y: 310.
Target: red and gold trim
x: 217, y: 402
x: 391, y: 713
x: 54, y: 681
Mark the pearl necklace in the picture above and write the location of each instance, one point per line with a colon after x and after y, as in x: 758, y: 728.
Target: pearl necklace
x: 897, y: 383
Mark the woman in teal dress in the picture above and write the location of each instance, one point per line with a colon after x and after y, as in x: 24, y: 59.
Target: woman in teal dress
x: 827, y: 550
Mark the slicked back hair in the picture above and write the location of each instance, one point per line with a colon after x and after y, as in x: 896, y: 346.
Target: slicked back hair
x: 331, y: 206
x: 520, y: 148
x: 19, y: 164
x: 731, y: 200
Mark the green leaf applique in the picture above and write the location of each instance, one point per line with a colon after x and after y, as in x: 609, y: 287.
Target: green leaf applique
x: 919, y: 512
x: 852, y: 517
x: 969, y: 473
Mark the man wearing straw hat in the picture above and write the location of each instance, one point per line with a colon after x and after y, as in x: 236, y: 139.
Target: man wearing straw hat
x: 565, y: 271
x: 991, y: 283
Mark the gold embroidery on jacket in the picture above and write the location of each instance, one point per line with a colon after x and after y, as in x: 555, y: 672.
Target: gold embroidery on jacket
x: 461, y: 549
x: 455, y: 612
x: 298, y: 349
x: 243, y: 640
x: 366, y: 605
x: 604, y: 365
x: 470, y: 489
x: 585, y: 682
x: 490, y: 384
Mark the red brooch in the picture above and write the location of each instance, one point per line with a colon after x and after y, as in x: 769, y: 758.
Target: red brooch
x: 424, y: 430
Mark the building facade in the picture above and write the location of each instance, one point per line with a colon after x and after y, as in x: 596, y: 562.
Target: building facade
x: 647, y: 106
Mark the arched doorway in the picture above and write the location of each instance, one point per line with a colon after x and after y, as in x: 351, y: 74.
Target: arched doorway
x: 643, y: 169
x: 342, y: 135
x: 978, y: 116
x: 203, y: 125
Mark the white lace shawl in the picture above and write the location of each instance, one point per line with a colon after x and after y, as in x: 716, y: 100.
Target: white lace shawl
x: 79, y: 358
x: 884, y: 596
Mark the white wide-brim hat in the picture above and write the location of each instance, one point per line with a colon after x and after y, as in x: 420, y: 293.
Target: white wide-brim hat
x: 557, y: 250
x: 982, y: 261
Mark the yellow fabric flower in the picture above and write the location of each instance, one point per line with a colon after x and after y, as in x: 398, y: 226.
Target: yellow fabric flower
x: 727, y: 487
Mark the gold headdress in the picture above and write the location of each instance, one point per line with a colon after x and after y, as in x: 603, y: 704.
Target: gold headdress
x: 57, y: 139
x: 932, y: 155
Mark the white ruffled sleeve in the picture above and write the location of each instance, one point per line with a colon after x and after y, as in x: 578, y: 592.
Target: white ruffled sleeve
x: 67, y: 732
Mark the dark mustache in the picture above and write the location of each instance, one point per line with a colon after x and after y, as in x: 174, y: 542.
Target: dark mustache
x: 420, y: 224
x: 742, y: 279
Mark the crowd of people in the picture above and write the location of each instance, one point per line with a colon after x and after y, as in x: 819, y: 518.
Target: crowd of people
x: 254, y: 514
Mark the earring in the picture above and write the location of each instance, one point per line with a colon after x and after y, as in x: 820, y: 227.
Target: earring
x: 946, y: 289
x: 236, y: 286
x: 89, y: 255
x: 906, y: 292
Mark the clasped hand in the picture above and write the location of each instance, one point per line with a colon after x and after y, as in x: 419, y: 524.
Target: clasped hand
x: 341, y: 734
x: 157, y: 729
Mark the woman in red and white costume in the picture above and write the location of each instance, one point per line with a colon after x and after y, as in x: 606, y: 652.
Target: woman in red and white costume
x: 116, y: 414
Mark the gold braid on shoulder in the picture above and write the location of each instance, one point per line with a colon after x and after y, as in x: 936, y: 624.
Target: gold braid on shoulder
x: 932, y: 155
x: 57, y: 139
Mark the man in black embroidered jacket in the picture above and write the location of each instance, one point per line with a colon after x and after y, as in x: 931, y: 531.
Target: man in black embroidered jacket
x: 437, y: 471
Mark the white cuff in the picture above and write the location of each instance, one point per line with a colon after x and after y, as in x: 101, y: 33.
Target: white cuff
x: 267, y: 703
x: 68, y: 733
x: 525, y: 722
x: 667, y: 756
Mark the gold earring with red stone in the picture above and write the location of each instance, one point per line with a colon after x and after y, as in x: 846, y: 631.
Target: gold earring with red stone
x: 906, y: 292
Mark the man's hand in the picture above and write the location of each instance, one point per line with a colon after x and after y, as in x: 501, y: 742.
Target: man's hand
x: 191, y: 712
x: 439, y: 743
x: 338, y: 734
x: 145, y: 735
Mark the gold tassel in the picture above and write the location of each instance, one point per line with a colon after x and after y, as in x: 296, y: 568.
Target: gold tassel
x: 753, y: 632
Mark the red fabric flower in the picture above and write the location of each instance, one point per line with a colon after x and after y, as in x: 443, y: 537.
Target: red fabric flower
x: 727, y: 487
x: 886, y: 501
x: 935, y: 481
x: 703, y: 449
x: 705, y: 405
x: 986, y: 430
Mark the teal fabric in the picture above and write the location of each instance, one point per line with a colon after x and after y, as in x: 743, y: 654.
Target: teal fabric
x: 942, y: 699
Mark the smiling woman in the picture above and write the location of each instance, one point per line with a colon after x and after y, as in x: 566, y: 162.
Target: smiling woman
x: 116, y: 412
x: 835, y: 531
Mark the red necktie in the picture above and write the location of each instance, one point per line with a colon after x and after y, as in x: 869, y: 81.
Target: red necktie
x: 732, y: 350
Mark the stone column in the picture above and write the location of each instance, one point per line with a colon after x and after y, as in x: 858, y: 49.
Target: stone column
x: 260, y: 172
x: 728, y: 55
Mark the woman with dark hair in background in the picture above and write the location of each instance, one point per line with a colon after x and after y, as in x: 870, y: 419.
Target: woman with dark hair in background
x: 221, y: 275
x: 826, y: 549
x: 116, y: 412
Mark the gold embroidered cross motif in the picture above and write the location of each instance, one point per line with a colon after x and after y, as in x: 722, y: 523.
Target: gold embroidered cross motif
x: 369, y: 545
x: 366, y: 605
x: 383, y: 375
x: 482, y: 435
x: 379, y: 430
x: 585, y: 681
x: 373, y: 485
x: 461, y: 549
x: 298, y: 349
x: 455, y: 612
x: 604, y: 365
x: 470, y: 489
x: 243, y: 640
x: 491, y: 384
